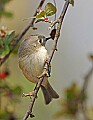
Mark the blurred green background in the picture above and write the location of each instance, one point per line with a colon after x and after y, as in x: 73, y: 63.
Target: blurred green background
x: 70, y: 63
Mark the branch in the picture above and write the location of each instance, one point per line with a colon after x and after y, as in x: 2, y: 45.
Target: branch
x: 80, y: 99
x: 16, y: 40
x: 59, y: 21
x: 86, y: 81
x: 29, y: 111
x: 83, y: 92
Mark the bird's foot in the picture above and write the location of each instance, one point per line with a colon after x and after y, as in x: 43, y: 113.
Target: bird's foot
x: 47, y: 67
x: 46, y: 70
x: 31, y: 94
x: 45, y: 73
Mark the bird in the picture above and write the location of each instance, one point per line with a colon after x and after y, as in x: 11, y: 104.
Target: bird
x: 32, y: 55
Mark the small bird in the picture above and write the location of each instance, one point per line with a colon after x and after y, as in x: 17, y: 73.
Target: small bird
x: 32, y: 55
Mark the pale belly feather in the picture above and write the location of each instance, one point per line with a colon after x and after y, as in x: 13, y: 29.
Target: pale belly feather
x: 32, y: 65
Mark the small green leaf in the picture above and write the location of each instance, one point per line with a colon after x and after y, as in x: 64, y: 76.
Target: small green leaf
x: 50, y: 9
x: 1, y: 52
x: 7, y: 14
x: 5, y: 1
x: 1, y: 43
x: 5, y: 50
x: 11, y: 34
x: 39, y: 20
x: 6, y: 40
x: 10, y: 47
x: 17, y: 90
x: 9, y: 37
x: 15, y: 51
x: 40, y: 15
x: 71, y: 2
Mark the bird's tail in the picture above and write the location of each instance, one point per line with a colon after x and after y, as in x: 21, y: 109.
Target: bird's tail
x: 49, y: 93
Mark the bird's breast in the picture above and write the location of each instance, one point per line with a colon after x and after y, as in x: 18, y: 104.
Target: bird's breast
x: 37, y: 61
x: 32, y: 65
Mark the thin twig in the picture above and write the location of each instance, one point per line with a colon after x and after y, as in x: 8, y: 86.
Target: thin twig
x: 85, y: 84
x: 83, y: 93
x: 16, y: 40
x: 80, y: 99
x: 29, y: 111
x: 59, y: 21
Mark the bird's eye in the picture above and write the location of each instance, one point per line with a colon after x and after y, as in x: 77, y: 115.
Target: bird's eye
x: 40, y: 41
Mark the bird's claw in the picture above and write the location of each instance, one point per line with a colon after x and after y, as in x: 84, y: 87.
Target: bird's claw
x: 48, y: 67
x: 45, y: 73
x: 31, y: 94
x: 32, y: 115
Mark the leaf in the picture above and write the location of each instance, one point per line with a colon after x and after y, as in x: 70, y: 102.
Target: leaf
x: 91, y: 57
x: 1, y: 43
x: 9, y: 37
x: 40, y: 15
x: 59, y: 114
x: 71, y: 2
x: 5, y: 1
x: 10, y: 47
x: 17, y: 90
x: 11, y: 34
x: 5, y: 50
x: 50, y: 9
x: 39, y: 20
x: 7, y: 14
x: 15, y: 51
x: 6, y: 41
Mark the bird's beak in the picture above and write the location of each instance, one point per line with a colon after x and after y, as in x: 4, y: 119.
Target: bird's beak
x: 48, y: 38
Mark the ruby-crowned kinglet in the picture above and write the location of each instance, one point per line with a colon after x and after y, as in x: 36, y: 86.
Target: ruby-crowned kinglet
x: 32, y: 56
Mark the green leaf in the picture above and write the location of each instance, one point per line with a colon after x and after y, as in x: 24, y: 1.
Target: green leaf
x: 1, y: 52
x: 11, y: 34
x: 10, y: 47
x: 7, y: 14
x: 9, y: 37
x: 50, y: 9
x: 40, y: 15
x: 5, y: 1
x: 1, y: 43
x: 71, y: 2
x: 6, y: 40
x: 39, y: 20
x: 17, y: 90
x: 5, y: 50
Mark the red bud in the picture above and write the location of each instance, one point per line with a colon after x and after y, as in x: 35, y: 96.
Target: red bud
x: 46, y: 20
x: 4, y: 74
